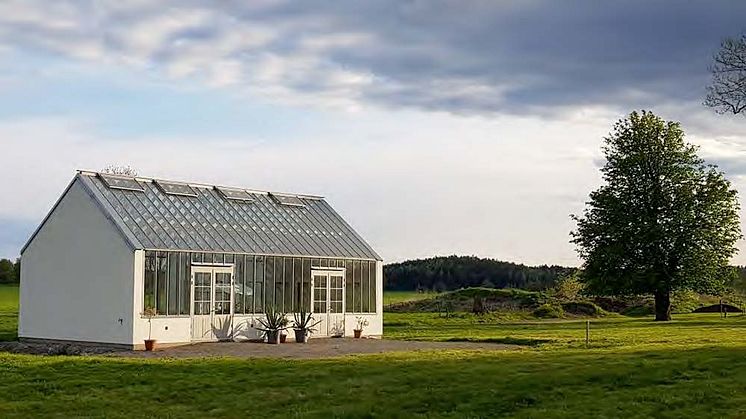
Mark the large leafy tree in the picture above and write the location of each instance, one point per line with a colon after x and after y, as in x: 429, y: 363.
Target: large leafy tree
x: 662, y: 221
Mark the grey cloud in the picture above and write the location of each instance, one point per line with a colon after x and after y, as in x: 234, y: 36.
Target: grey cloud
x: 731, y: 166
x: 460, y: 57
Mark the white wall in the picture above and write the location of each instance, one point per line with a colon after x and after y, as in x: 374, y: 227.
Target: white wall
x: 76, y: 280
x: 165, y: 330
x: 375, y: 321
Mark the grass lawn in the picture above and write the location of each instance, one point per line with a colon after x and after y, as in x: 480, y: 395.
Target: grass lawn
x: 686, y: 330
x: 694, y: 366
x: 564, y: 383
x: 391, y: 297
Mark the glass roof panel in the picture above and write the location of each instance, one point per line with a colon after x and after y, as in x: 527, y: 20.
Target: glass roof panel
x: 235, y: 194
x: 118, y: 182
x: 289, y: 200
x: 173, y: 188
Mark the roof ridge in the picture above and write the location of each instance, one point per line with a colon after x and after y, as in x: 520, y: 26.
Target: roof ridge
x: 198, y: 184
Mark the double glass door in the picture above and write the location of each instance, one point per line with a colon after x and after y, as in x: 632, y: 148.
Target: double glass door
x: 212, y: 303
x: 327, y: 295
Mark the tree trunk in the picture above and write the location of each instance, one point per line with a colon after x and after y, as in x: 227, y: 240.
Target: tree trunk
x: 662, y: 306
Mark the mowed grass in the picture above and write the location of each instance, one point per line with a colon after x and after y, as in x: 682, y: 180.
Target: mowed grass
x: 692, y: 367
x: 686, y: 330
x: 8, y: 312
x: 565, y: 383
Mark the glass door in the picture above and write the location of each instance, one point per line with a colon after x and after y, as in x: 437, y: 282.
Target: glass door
x: 202, y: 304
x: 212, y: 303
x: 327, y: 295
x: 336, y: 304
x: 222, y: 319
x: 320, y: 304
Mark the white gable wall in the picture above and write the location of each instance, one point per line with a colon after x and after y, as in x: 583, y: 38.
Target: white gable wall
x: 78, y: 276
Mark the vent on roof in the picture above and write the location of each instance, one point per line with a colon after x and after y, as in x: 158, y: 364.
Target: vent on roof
x: 235, y: 194
x: 173, y: 188
x: 289, y: 200
x: 118, y: 182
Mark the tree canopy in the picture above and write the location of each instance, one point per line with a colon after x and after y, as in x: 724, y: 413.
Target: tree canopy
x: 662, y: 221
x: 454, y: 272
x: 10, y: 272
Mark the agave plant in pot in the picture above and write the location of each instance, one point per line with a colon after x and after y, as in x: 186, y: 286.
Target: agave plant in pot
x: 361, y: 323
x: 149, y: 313
x: 303, y: 325
x: 273, y: 323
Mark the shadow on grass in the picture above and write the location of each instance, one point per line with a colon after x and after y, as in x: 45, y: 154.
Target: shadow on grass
x: 508, y: 340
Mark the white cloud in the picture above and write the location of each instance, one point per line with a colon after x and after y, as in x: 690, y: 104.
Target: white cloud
x: 420, y: 187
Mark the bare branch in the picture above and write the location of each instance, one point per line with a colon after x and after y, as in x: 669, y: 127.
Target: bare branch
x: 727, y: 93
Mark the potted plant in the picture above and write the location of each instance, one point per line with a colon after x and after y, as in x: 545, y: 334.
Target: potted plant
x: 149, y: 313
x: 303, y: 325
x: 361, y: 323
x: 273, y: 323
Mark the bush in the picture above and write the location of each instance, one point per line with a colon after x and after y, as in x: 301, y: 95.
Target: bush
x: 568, y: 288
x: 684, y: 301
x: 549, y: 311
x: 639, y: 310
x: 583, y: 308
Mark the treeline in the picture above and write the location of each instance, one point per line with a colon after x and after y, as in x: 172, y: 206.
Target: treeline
x: 10, y: 272
x: 454, y: 272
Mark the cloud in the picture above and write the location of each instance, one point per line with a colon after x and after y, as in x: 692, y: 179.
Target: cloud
x: 456, y: 185
x: 460, y: 57
x: 467, y: 163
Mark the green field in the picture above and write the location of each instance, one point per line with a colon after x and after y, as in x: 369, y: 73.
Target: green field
x: 613, y: 332
x: 694, y: 366
x: 393, y: 297
x: 8, y: 312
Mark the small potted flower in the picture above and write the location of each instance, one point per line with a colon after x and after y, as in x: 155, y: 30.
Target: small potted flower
x: 361, y: 323
x: 272, y: 325
x: 149, y: 313
x: 303, y: 325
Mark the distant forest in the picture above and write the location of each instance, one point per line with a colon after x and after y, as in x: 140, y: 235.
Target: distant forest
x: 454, y: 272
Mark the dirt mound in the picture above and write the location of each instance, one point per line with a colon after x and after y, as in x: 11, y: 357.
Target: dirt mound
x: 718, y: 308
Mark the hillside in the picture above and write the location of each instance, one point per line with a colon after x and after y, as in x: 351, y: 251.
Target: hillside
x: 446, y: 273
x: 497, y: 301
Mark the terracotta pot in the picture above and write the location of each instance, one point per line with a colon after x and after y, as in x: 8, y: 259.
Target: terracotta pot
x: 273, y: 338
x: 149, y: 344
x: 358, y: 333
x: 301, y: 336
x: 283, y: 337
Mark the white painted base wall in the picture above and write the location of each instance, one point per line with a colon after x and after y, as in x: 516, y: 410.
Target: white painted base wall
x: 76, y: 279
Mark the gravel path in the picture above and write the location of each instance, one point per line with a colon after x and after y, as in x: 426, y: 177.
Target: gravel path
x: 315, y: 348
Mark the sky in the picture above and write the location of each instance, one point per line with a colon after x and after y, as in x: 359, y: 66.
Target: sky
x: 433, y: 127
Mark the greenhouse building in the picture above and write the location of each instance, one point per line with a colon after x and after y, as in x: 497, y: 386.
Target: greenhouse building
x: 209, y: 260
